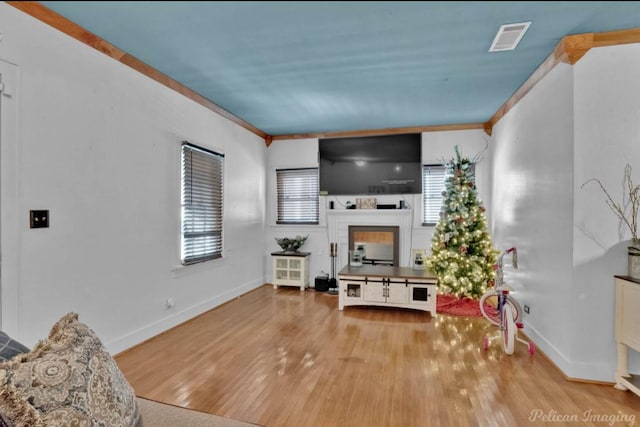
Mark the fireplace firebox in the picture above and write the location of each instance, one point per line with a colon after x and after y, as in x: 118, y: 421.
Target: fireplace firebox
x: 378, y: 244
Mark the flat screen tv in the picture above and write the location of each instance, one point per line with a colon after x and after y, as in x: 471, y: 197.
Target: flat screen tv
x: 389, y: 164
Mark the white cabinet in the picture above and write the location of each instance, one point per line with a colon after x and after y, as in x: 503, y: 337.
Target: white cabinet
x: 386, y: 290
x: 387, y: 286
x: 374, y: 290
x: 290, y: 269
x: 627, y: 330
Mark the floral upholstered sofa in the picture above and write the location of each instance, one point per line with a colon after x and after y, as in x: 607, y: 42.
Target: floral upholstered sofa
x: 69, y: 379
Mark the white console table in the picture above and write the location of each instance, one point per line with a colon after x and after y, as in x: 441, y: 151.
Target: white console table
x: 627, y: 330
x: 384, y: 285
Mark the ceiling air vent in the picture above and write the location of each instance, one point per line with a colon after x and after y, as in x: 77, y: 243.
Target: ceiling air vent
x: 508, y: 37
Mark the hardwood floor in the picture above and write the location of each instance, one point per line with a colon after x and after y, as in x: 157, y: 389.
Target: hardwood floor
x: 289, y: 358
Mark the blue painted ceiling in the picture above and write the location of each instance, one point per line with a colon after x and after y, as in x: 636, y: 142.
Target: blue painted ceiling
x: 292, y: 67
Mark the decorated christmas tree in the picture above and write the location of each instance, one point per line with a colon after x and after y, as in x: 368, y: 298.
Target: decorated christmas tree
x: 462, y: 255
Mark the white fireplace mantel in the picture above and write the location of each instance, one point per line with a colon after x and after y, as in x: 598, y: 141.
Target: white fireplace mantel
x: 338, y: 222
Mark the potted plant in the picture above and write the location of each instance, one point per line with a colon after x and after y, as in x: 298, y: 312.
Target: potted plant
x: 628, y: 214
x: 291, y: 244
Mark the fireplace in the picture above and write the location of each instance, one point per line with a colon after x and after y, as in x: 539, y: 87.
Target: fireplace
x: 379, y: 244
x: 340, y: 220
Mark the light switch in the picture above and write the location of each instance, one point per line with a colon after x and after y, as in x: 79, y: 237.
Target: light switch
x: 39, y: 219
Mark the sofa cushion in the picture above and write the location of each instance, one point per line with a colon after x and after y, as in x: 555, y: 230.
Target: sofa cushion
x: 69, y: 379
x: 10, y: 347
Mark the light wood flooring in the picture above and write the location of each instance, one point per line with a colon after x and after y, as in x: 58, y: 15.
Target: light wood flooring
x: 290, y: 358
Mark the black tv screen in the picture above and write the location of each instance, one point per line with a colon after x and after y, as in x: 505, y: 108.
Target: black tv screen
x: 389, y: 164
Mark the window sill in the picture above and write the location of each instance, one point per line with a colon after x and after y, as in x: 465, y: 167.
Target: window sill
x: 182, y: 270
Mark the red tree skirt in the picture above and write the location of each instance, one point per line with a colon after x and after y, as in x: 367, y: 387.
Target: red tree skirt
x: 454, y: 306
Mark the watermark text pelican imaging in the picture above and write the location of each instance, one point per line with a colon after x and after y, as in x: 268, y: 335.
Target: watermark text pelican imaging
x: 553, y: 416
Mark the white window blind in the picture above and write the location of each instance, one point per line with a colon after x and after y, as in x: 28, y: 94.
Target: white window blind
x: 297, y: 196
x: 433, y: 177
x: 202, y: 197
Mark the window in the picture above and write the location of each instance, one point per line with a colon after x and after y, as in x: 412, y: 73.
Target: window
x: 202, y: 196
x: 297, y: 196
x: 433, y: 177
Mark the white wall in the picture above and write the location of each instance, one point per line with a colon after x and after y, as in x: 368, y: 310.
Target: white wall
x: 532, y: 208
x: 98, y: 145
x: 436, y: 148
x: 579, y: 122
x: 607, y: 136
x: 302, y: 153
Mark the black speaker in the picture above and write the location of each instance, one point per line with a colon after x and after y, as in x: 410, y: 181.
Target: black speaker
x: 331, y: 204
x: 322, y: 283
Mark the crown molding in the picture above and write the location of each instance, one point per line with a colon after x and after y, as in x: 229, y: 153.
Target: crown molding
x: 70, y: 28
x: 379, y: 132
x: 568, y: 51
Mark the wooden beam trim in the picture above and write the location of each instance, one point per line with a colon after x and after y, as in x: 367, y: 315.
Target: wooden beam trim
x: 572, y: 48
x: 488, y: 128
x: 544, y: 68
x: 569, y: 51
x: 611, y: 38
x: 378, y: 132
x: 79, y: 33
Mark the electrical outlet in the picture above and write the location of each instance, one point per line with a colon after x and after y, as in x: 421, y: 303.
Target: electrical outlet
x: 526, y: 309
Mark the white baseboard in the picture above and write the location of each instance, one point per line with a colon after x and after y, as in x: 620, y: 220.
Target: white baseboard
x: 573, y: 370
x: 142, y: 334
